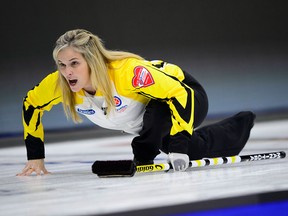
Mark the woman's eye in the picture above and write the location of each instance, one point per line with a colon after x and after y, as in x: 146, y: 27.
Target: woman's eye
x: 74, y: 63
x: 61, y: 65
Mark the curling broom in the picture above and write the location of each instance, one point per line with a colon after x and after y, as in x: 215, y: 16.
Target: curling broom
x: 128, y: 168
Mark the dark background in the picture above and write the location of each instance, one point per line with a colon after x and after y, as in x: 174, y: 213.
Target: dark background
x: 236, y: 49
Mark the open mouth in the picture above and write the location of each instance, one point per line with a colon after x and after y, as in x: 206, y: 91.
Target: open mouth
x: 72, y: 82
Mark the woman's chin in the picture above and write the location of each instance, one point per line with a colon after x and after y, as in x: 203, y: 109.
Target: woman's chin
x: 75, y: 89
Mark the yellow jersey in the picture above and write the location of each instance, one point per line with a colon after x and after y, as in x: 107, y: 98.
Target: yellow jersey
x: 134, y: 83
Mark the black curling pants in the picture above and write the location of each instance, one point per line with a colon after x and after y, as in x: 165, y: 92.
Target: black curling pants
x: 224, y: 138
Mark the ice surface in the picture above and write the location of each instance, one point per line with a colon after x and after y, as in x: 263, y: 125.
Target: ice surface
x: 72, y: 189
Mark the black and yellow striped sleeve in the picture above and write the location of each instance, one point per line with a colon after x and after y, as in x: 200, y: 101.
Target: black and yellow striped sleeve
x: 39, y: 99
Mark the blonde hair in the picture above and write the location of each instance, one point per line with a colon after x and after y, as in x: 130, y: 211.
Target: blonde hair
x: 97, y: 57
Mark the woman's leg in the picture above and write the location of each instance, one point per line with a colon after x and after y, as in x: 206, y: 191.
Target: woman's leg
x: 225, y: 138
x: 156, y: 125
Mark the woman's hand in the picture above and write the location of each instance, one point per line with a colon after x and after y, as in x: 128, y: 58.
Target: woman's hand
x: 179, y: 161
x: 36, y: 166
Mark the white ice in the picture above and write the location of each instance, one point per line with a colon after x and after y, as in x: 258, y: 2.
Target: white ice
x: 72, y: 189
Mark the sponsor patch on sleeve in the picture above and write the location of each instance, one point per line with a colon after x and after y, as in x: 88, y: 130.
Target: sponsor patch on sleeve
x: 86, y: 111
x: 142, y: 77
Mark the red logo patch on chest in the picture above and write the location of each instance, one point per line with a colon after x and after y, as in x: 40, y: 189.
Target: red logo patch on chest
x: 142, y: 77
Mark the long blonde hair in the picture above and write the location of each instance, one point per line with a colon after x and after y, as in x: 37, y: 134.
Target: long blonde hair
x: 97, y: 57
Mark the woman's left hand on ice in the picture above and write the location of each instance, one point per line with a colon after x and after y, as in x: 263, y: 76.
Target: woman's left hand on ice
x: 32, y: 166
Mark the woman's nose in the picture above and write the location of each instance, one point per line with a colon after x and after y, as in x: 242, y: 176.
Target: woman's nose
x: 68, y: 71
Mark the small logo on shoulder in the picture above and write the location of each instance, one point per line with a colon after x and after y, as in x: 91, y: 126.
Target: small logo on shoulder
x: 142, y: 77
x: 86, y: 111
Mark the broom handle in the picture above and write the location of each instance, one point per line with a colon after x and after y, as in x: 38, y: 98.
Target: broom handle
x: 214, y: 161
